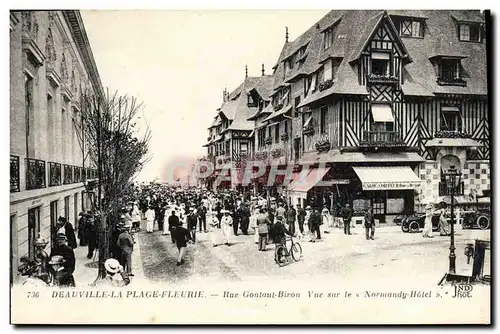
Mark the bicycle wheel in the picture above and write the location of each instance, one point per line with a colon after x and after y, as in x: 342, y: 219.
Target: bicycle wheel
x: 280, y: 255
x: 296, y: 251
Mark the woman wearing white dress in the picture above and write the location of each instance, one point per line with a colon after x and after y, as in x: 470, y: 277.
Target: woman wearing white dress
x: 150, y: 219
x: 327, y: 220
x: 253, y: 223
x: 168, y: 213
x: 427, y: 231
x: 227, y: 227
x: 215, y: 234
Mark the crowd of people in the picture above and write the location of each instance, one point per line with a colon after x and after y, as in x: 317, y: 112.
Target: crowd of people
x: 184, y: 212
x: 181, y: 213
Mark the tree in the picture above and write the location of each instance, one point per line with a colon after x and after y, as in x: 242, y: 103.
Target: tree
x: 106, y: 128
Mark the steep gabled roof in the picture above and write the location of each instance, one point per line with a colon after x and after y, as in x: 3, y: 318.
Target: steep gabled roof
x: 370, y: 29
x: 355, y: 28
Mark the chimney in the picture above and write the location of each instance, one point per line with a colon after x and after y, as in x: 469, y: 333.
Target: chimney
x: 246, y: 71
x: 286, y: 34
x: 224, y: 95
x: 263, y: 71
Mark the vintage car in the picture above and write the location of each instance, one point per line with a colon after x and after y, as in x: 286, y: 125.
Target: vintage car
x: 476, y: 219
x: 415, y: 222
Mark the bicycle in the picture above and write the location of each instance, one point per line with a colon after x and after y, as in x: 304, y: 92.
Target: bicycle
x: 282, y: 254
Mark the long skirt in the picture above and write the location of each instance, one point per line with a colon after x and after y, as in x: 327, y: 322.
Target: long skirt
x: 149, y: 225
x: 216, y: 236
x: 226, y: 232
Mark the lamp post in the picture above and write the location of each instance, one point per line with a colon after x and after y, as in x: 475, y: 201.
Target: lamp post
x: 452, y: 177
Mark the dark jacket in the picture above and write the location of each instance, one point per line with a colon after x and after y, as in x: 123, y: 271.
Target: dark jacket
x: 70, y: 235
x: 315, y: 219
x: 125, y: 242
x: 291, y: 215
x: 173, y: 221
x: 67, y: 253
x: 192, y: 220
x: 181, y: 236
x: 280, y: 232
x: 301, y: 215
x: 369, y: 220
x: 347, y: 214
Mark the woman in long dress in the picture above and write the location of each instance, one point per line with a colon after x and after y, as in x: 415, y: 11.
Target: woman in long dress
x: 253, y: 223
x: 168, y: 213
x: 427, y: 231
x: 215, y: 234
x: 327, y: 220
x: 227, y: 227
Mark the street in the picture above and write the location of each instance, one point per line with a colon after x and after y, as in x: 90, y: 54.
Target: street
x: 393, y: 256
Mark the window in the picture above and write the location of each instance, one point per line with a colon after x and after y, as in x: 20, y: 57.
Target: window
x: 314, y: 83
x: 328, y: 38
x: 296, y: 102
x: 277, y: 133
x: 261, y: 133
x: 28, y: 96
x: 269, y: 132
x: 450, y: 119
x: 243, y: 148
x: 33, y: 229
x: 322, y: 123
x: 450, y: 69
x: 470, y: 32
x: 328, y: 71
x: 412, y: 28
x: 380, y: 67
x: 250, y: 100
x: 291, y: 62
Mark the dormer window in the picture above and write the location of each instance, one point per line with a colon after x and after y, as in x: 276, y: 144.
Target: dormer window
x: 449, y: 72
x: 411, y: 28
x: 469, y: 32
x: 328, y: 38
x: 380, y: 64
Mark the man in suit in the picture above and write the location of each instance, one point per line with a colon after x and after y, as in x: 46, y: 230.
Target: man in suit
x: 301, y: 218
x: 173, y: 222
x: 369, y: 224
x: 347, y: 215
x: 290, y: 219
x: 65, y: 227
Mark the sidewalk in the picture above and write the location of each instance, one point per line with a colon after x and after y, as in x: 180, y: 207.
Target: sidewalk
x: 86, y: 270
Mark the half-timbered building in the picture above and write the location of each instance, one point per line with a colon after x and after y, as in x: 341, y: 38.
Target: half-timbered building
x: 378, y: 104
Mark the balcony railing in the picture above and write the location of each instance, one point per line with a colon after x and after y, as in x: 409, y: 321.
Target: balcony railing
x: 35, y: 174
x: 445, y: 191
x: 451, y: 81
x: 375, y: 78
x: 54, y: 174
x: 14, y: 174
x: 381, y: 139
x: 68, y: 174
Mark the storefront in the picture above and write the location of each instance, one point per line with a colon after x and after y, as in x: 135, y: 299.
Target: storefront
x: 389, y: 190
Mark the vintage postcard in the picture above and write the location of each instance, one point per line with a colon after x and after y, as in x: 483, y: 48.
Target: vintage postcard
x: 250, y: 166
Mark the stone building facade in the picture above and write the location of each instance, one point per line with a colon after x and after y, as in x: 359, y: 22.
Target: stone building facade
x: 51, y: 64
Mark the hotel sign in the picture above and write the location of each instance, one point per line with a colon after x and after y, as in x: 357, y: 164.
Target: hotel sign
x: 396, y: 185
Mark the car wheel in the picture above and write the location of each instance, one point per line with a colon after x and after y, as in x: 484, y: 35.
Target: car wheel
x: 414, y: 227
x: 404, y: 227
x: 483, y: 222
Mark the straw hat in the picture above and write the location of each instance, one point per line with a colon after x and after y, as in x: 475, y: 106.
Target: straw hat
x: 57, y: 259
x: 112, y: 266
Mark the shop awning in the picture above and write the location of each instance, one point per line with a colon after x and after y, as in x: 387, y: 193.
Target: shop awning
x: 387, y: 178
x: 382, y: 113
x: 314, y: 176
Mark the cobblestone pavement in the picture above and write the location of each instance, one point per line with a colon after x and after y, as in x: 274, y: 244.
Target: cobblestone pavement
x: 392, y: 256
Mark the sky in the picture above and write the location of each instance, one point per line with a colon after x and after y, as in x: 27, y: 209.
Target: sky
x: 178, y: 64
